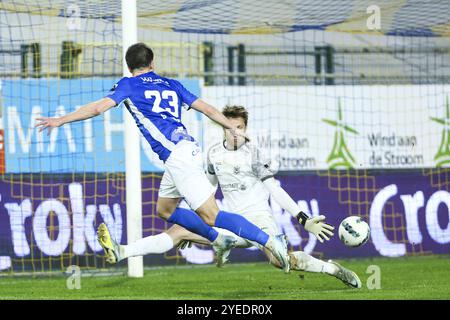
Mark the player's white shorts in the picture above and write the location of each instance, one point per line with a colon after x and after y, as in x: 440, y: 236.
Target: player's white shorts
x: 185, y: 177
x: 264, y: 220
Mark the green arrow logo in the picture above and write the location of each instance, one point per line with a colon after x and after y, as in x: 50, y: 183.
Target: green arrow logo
x: 340, y: 157
x: 442, y: 157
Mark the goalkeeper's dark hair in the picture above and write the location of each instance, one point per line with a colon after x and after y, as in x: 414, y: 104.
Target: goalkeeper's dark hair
x: 236, y: 112
x: 138, y: 56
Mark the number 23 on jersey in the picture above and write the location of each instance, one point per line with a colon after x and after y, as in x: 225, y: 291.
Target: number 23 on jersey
x: 170, y: 103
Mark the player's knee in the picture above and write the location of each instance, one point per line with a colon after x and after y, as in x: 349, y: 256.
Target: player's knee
x: 210, y: 220
x: 208, y: 211
x: 163, y: 211
x: 208, y: 216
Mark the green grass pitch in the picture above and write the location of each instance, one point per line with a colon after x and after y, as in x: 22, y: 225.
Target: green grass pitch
x: 424, y: 277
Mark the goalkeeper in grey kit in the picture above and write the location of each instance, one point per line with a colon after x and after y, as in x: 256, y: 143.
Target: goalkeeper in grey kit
x: 246, y: 180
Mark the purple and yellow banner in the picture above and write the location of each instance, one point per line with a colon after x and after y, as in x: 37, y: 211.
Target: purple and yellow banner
x: 49, y: 222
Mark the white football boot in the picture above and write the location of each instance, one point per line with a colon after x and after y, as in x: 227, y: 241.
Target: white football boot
x: 222, y: 247
x: 279, y: 248
x: 347, y: 276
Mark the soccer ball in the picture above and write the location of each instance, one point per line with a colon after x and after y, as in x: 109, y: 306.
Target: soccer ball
x: 354, y: 231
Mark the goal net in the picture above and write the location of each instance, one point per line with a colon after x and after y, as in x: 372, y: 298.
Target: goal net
x: 349, y: 99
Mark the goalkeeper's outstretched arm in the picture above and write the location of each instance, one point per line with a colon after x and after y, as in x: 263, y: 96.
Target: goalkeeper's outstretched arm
x: 321, y: 230
x: 87, y: 111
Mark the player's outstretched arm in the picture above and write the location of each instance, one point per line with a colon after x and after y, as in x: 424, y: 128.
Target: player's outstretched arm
x: 321, y: 230
x: 85, y: 112
x: 216, y: 116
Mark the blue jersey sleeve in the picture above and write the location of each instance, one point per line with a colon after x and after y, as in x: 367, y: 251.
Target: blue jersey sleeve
x: 119, y: 91
x: 187, y: 97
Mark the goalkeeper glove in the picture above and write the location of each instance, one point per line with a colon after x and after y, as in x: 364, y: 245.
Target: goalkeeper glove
x: 315, y: 225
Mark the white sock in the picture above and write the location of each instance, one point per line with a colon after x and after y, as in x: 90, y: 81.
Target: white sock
x: 305, y: 262
x: 153, y: 244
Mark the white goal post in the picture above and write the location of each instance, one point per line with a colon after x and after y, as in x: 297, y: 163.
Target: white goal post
x: 132, y: 148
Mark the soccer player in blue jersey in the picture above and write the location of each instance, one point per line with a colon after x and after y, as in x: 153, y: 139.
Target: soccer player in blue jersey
x: 156, y: 104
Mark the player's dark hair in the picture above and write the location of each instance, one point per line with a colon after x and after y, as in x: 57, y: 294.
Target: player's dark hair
x: 236, y: 112
x: 138, y: 56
